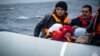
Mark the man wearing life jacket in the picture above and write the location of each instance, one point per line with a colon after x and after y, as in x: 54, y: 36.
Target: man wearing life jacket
x: 85, y: 19
x: 94, y: 27
x: 82, y: 21
x: 59, y: 15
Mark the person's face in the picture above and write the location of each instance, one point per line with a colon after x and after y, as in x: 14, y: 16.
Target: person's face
x: 86, y: 13
x: 60, y: 11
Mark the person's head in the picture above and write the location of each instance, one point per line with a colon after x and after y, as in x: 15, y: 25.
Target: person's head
x: 86, y: 11
x: 61, y: 8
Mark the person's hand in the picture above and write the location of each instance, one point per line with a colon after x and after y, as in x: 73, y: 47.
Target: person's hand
x: 68, y: 36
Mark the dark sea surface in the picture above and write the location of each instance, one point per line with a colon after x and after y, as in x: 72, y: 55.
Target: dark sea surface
x: 22, y: 18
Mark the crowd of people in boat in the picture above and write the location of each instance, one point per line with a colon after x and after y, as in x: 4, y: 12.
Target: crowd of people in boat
x: 58, y: 26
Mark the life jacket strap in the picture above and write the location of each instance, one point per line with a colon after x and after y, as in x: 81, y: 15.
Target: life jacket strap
x: 66, y: 20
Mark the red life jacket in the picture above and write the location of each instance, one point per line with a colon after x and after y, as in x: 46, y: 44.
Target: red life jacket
x: 59, y: 35
x: 68, y: 28
x: 84, y: 23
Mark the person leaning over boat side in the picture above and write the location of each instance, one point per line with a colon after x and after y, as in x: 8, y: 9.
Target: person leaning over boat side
x: 59, y: 15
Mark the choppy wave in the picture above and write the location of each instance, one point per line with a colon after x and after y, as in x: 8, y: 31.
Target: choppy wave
x: 23, y: 17
x: 9, y: 9
x: 26, y: 17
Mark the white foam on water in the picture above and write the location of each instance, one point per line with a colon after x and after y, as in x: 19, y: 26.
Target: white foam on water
x: 23, y: 17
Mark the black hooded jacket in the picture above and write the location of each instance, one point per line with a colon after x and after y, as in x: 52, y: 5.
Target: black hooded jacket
x: 47, y: 22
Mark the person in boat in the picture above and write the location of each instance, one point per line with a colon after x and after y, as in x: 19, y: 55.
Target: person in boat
x: 94, y: 29
x: 59, y: 15
x: 84, y: 19
x: 93, y: 32
x: 82, y: 22
x: 64, y: 33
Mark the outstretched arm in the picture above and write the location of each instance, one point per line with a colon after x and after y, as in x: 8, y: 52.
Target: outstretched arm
x: 40, y: 26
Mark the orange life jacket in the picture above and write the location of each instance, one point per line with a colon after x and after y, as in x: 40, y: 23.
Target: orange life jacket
x: 84, y: 23
x: 66, y: 21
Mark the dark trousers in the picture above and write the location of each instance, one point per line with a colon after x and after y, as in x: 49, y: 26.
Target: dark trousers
x: 96, y: 40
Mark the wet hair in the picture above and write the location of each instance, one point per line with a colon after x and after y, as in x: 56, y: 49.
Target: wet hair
x: 88, y: 6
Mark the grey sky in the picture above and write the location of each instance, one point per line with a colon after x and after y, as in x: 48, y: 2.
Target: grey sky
x: 22, y: 1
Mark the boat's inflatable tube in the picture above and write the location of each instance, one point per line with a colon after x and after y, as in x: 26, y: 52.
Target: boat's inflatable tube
x: 13, y: 44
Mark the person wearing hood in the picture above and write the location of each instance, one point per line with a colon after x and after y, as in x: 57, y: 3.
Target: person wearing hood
x: 59, y: 15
